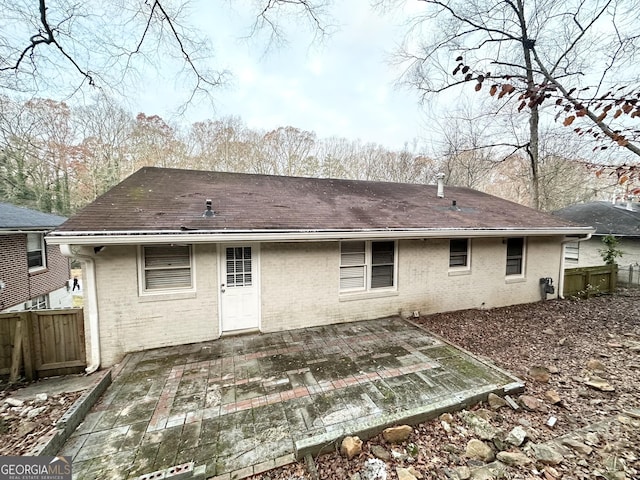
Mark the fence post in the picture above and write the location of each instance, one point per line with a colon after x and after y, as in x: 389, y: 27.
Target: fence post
x: 27, y: 342
x: 16, y: 354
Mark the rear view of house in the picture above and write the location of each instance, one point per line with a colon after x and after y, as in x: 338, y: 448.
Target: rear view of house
x: 33, y: 274
x: 179, y: 256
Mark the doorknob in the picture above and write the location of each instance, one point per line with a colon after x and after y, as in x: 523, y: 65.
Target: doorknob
x: 222, y: 289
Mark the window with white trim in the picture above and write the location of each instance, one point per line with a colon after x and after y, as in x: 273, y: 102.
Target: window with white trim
x: 166, y: 267
x: 459, y: 253
x: 515, y: 256
x: 36, y: 256
x: 572, y: 252
x: 367, y: 265
x: 40, y: 302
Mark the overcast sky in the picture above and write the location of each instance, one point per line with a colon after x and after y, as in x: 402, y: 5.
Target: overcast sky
x: 340, y: 86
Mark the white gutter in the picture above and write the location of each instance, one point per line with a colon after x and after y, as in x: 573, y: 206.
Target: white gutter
x: 202, y: 236
x: 86, y: 255
x: 562, y: 262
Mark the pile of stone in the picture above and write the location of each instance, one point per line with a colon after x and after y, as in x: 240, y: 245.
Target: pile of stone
x: 491, y: 452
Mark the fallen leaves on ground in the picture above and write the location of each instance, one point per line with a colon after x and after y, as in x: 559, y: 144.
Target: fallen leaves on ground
x: 580, y: 343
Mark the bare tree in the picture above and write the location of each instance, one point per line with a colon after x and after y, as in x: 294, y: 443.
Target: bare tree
x: 62, y: 46
x: 505, y: 44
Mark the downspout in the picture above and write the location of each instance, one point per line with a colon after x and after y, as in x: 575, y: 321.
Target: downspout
x: 561, y: 274
x: 86, y: 255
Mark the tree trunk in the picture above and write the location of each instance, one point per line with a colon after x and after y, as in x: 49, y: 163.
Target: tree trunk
x: 534, y: 118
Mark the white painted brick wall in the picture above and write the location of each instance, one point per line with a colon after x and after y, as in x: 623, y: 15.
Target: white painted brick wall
x: 129, y: 322
x: 308, y: 295
x: 299, y: 288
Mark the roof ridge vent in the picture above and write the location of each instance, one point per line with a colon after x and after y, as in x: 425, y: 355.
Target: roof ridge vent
x: 208, y: 212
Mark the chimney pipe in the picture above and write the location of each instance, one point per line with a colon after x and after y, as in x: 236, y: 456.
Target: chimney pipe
x: 208, y: 212
x: 440, y: 178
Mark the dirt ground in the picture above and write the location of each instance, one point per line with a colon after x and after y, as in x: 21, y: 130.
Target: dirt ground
x: 580, y: 360
x: 23, y: 422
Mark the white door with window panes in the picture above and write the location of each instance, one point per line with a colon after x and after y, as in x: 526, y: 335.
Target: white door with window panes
x: 239, y: 290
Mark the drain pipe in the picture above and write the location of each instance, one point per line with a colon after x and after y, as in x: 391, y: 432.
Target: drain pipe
x: 562, y: 262
x: 86, y: 255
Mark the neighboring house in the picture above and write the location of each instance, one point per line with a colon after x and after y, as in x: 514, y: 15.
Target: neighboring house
x: 164, y: 267
x: 620, y: 220
x: 33, y: 275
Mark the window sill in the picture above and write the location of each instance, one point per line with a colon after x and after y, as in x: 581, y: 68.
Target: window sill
x: 350, y: 296
x: 165, y: 296
x: 515, y: 279
x: 38, y: 270
x: 462, y: 271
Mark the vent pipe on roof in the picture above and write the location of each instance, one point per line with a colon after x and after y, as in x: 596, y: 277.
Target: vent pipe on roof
x: 440, y: 178
x: 208, y: 212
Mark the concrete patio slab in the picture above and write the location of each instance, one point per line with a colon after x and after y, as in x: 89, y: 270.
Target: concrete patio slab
x: 244, y: 404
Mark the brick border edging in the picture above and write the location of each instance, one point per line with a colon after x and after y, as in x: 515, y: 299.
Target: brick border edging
x: 51, y: 443
x: 367, y: 429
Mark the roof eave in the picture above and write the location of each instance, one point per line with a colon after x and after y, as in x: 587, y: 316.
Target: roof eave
x: 199, y: 236
x: 11, y: 230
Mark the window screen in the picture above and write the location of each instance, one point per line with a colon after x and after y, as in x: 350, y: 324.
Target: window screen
x: 167, y: 267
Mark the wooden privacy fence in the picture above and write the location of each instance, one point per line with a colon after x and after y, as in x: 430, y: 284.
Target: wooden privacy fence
x: 42, y: 343
x: 588, y: 281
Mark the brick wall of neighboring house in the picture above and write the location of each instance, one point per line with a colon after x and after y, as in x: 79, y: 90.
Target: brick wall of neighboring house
x: 21, y: 285
x: 299, y: 284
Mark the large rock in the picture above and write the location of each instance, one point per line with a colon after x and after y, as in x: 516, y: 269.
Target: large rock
x: 13, y: 402
x: 516, y: 436
x: 374, y: 469
x: 34, y: 412
x: 495, y: 401
x: 540, y: 374
x: 595, y: 364
x: 599, y: 384
x: 546, y: 454
x: 415, y: 473
x: 478, y: 450
x: 25, y: 428
x: 577, y: 446
x: 463, y: 473
x: 397, y: 434
x: 405, y: 474
x: 517, y: 459
x: 380, y: 452
x: 481, y: 427
x: 552, y: 397
x: 350, y: 447
x: 531, y: 403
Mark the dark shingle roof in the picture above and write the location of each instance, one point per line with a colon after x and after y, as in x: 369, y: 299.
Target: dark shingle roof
x: 16, y: 218
x: 605, y: 217
x: 159, y: 199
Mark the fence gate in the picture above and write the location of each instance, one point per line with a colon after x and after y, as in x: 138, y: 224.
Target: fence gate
x: 44, y: 343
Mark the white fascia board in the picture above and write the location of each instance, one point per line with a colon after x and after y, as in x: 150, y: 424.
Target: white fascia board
x: 194, y: 236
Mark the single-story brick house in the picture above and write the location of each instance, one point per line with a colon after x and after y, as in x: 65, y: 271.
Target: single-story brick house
x: 179, y: 256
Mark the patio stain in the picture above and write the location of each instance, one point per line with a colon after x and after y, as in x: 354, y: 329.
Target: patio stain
x: 241, y: 401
